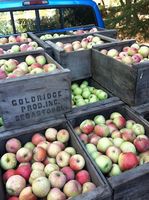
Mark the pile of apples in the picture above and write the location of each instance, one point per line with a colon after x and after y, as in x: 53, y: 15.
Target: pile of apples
x: 12, y: 68
x: 21, y: 48
x: 44, y: 167
x: 23, y: 37
x: 85, y: 94
x: 55, y: 35
x: 80, y: 32
x: 115, y: 144
x: 85, y: 43
x: 136, y: 53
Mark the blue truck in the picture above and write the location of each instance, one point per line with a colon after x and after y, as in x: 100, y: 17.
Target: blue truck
x: 48, y: 15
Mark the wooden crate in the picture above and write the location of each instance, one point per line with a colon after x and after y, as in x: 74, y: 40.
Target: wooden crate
x: 35, y: 98
x: 142, y: 110
x: 79, y: 62
x: 88, y: 106
x: 134, y: 183
x: 129, y: 83
x: 102, y: 192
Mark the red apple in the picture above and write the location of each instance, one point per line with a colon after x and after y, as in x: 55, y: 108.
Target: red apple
x: 76, y: 162
x: 72, y: 188
x: 84, y: 138
x: 83, y: 177
x: 87, y: 126
x: 127, y: 161
x: 68, y: 172
x: 128, y: 134
x: 119, y: 121
x: 94, y: 139
x: 102, y: 130
x: 39, y: 154
x: 24, y: 171
x: 37, y: 138
x: 116, y: 134
x: 8, y: 174
x: 56, y: 194
x: 141, y: 144
x: 13, y: 145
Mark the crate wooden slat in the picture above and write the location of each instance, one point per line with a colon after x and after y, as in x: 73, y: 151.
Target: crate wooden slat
x: 129, y: 83
x: 134, y: 183
x: 35, y: 98
x: 102, y: 192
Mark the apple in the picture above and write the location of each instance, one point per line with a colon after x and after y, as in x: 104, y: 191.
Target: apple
x: 36, y: 71
x: 68, y: 172
x: 112, y: 127
x: 141, y: 144
x: 104, y: 163
x: 30, y: 60
x: 94, y: 139
x: 116, y: 134
x: 13, y: 198
x: 63, y: 135
x: 76, y: 162
x: 62, y: 145
x: 36, y: 174
x: 112, y: 53
x: 118, y: 141
x: 27, y: 193
x: 114, y: 115
x: 91, y: 148
x: 13, y: 145
x: 43, y: 145
x: 70, y: 150
x: 103, y: 144
x: 8, y: 161
x: 144, y: 51
x: 119, y: 121
x: 127, y: 60
x: 37, y: 138
x: 49, y: 160
x: 102, y: 130
x: 68, y: 47
x: 53, y: 150
x: 56, y: 194
x: 82, y: 177
x: 24, y: 155
x: 131, y: 51
x: 113, y: 153
x: 95, y: 154
x: 127, y: 161
x: 8, y: 174
x: 15, y: 185
x: 51, y: 134
x: 23, y: 66
x: 128, y: 147
x: 36, y: 65
x: 87, y: 126
x: 38, y: 166
x: 10, y: 65
x: 39, y: 154
x: 128, y: 134
x: 72, y: 188
x: 60, y: 44
x: 135, y: 45
x: 50, y: 168
x: 24, y: 171
x: 138, y: 129
x: 57, y: 179
x: 41, y: 187
x: 104, y: 51
x: 62, y: 159
x: 88, y: 187
x: 84, y: 138
x: 115, y: 171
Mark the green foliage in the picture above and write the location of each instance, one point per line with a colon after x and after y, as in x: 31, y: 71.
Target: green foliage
x: 130, y: 18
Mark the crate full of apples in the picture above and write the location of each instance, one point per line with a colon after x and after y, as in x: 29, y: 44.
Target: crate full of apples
x: 122, y: 68
x: 87, y: 94
x: 117, y: 142
x: 74, y: 52
x: 48, y: 164
x: 34, y: 88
